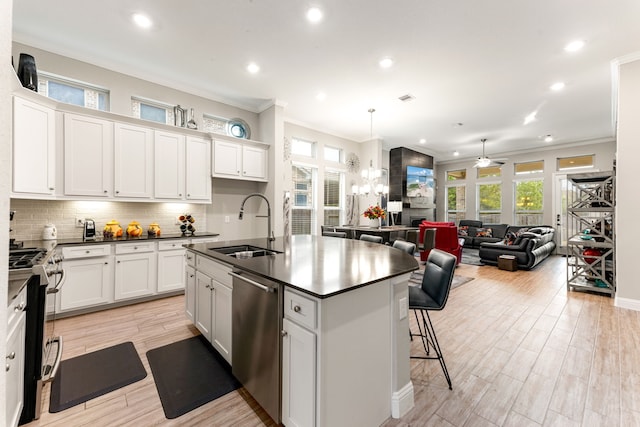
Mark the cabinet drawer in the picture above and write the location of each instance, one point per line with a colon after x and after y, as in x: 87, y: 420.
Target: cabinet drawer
x: 300, y: 309
x: 172, y: 244
x: 196, y: 240
x: 214, y: 269
x: 16, y: 307
x: 131, y: 248
x: 73, y: 252
x: 191, y: 258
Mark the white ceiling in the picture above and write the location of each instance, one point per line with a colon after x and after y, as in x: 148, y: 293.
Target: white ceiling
x: 486, y: 64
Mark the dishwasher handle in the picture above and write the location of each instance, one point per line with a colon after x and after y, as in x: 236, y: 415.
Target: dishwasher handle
x: 252, y: 282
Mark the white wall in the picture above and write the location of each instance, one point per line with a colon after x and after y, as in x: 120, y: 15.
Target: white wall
x: 604, y: 155
x: 7, y: 76
x: 627, y: 200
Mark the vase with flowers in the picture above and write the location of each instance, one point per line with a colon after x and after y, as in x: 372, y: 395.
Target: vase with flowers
x: 375, y: 212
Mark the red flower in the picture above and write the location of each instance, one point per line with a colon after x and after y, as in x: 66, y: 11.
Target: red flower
x: 375, y: 212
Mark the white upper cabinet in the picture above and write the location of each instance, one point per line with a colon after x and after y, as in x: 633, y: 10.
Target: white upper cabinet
x: 33, y: 148
x: 240, y: 160
x: 88, y: 156
x: 169, y: 154
x: 133, y: 161
x: 198, y: 169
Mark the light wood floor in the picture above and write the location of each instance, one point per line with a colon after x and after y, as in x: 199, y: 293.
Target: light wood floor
x: 521, y: 351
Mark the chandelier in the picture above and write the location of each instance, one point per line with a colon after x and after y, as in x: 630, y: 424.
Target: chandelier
x: 371, y: 176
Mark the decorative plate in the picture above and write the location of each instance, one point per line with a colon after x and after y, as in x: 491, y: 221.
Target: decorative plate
x: 353, y: 163
x: 238, y: 128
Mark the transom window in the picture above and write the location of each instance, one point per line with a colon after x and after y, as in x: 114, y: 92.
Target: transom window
x: 491, y: 171
x: 576, y: 162
x: 154, y: 111
x: 528, y: 167
x: 457, y: 175
x: 300, y: 147
x: 332, y: 154
x: 73, y: 92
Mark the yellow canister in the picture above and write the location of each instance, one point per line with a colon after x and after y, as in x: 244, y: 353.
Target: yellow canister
x: 154, y: 229
x: 134, y: 229
x: 112, y: 230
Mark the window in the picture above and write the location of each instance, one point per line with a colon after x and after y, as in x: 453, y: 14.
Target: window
x: 456, y: 202
x: 333, y: 190
x: 528, y: 198
x: 332, y: 154
x: 457, y: 175
x: 154, y: 111
x: 489, y: 202
x: 528, y: 167
x: 303, y: 148
x: 303, y: 207
x: 73, y: 92
x: 491, y: 171
x: 576, y: 162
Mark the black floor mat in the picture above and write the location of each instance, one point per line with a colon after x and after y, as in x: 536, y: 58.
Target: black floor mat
x: 188, y: 374
x: 94, y: 374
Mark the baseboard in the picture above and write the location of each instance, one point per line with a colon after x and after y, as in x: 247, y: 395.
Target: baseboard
x: 402, y: 401
x: 631, y: 304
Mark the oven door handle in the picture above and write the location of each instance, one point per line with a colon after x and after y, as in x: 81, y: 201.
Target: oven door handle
x: 56, y: 364
x: 59, y: 283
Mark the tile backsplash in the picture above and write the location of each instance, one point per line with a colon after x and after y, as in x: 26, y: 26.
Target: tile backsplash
x: 32, y: 215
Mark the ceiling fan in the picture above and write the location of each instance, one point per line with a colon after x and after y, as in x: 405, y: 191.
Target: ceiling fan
x: 483, y: 161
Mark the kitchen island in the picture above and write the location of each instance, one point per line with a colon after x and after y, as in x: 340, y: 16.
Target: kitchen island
x: 343, y: 320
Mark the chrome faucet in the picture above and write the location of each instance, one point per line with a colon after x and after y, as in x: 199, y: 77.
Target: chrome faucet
x: 270, y: 235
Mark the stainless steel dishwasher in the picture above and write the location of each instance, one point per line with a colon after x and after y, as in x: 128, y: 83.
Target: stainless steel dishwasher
x: 257, y: 322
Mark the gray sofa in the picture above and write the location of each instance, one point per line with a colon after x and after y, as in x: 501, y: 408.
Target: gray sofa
x: 468, y: 230
x: 530, y: 247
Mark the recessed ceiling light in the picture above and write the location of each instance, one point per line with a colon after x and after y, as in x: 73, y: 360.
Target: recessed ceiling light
x: 530, y: 118
x: 456, y: 153
x: 574, y: 46
x: 423, y: 141
x: 314, y: 15
x: 386, y: 62
x: 548, y: 138
x: 253, y: 68
x: 321, y: 96
x: 557, y: 86
x: 142, y: 21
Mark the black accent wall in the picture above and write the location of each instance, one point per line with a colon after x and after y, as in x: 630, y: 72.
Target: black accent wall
x: 399, y: 159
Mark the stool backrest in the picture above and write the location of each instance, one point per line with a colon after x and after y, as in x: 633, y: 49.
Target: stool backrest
x: 429, y: 239
x: 408, y: 247
x: 438, y: 275
x: 371, y: 238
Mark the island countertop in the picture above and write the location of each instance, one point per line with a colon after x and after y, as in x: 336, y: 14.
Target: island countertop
x: 317, y: 265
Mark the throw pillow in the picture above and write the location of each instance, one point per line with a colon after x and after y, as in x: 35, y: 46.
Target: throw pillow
x: 521, y: 231
x: 484, y: 232
x: 463, y: 230
x: 510, y: 238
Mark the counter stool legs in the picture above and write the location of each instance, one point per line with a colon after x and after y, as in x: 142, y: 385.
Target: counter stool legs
x: 430, y: 341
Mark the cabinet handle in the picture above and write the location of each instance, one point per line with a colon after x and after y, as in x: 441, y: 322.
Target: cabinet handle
x: 118, y: 262
x: 7, y: 367
x: 51, y: 188
x: 188, y: 195
x: 135, y: 248
x: 297, y: 308
x: 117, y: 191
x: 11, y: 355
x: 105, y: 191
x: 191, y: 275
x: 106, y: 263
x: 180, y: 194
x: 283, y: 333
x: 19, y: 307
x: 87, y: 252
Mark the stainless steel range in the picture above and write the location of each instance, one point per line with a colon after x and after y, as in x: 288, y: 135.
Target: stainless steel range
x: 41, y: 269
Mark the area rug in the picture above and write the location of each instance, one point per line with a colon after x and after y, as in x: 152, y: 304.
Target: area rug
x: 470, y: 256
x: 86, y: 377
x: 188, y: 374
x: 416, y: 279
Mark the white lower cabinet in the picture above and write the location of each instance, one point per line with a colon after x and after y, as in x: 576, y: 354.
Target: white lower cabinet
x: 190, y: 292
x: 298, y: 375
x: 135, y: 275
x: 171, y: 266
x: 14, y: 360
x: 88, y: 283
x: 210, y: 296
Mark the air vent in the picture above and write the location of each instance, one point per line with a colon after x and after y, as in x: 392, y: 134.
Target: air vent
x: 407, y: 97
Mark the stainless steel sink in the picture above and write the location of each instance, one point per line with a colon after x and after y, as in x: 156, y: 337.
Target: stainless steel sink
x: 244, y: 251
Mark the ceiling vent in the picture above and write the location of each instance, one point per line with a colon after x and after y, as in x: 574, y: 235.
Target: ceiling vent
x: 406, y: 98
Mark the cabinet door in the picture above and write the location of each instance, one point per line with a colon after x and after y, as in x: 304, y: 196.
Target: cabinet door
x: 88, y: 156
x: 33, y: 148
x: 221, y: 322
x: 87, y: 282
x: 171, y: 270
x: 133, y: 161
x: 198, y: 169
x: 190, y: 292
x: 134, y: 275
x: 204, y: 305
x: 227, y: 159
x: 298, y: 376
x: 254, y: 162
x: 14, y: 367
x: 169, y: 165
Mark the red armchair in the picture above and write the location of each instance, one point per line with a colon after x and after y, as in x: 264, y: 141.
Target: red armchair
x: 446, y: 239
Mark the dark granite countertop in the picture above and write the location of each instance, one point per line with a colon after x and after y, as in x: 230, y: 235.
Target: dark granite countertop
x: 50, y: 244
x: 319, y: 266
